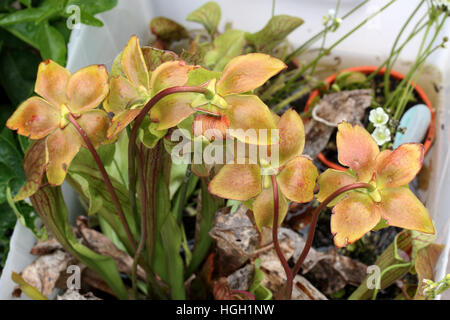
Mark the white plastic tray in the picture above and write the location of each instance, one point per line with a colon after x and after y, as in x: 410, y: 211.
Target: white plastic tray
x: 369, y: 45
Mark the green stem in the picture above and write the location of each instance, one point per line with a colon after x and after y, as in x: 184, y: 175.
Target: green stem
x: 317, y: 36
x: 291, y: 81
x: 397, y: 39
x: 105, y: 176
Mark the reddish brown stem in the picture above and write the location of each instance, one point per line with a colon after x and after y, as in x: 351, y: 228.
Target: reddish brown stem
x: 105, y: 176
x: 312, y: 227
x: 132, y: 169
x: 276, y: 244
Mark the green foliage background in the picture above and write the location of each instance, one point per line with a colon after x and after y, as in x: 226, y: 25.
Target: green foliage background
x: 30, y: 31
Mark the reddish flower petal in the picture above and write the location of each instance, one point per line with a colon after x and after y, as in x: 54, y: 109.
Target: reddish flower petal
x: 332, y: 180
x: 211, y: 127
x: 292, y: 136
x: 247, y: 72
x: 237, y: 182
x: 95, y: 123
x: 401, y: 208
x: 34, y: 164
x: 352, y: 217
x: 121, y: 121
x: 172, y: 109
x: 62, y: 146
x: 356, y: 150
x: 51, y: 82
x: 87, y: 88
x: 263, y: 208
x: 247, y: 115
x: 133, y: 64
x: 169, y: 74
x: 399, y: 167
x: 122, y: 94
x: 298, y: 179
x: 34, y: 118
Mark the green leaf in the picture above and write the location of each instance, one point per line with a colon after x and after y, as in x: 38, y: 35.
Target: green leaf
x: 171, y: 241
x: 26, y: 3
x: 209, y: 207
x: 89, y: 8
x: 274, y: 32
x: 86, y: 179
x: 49, y: 203
x: 18, y: 68
x: 11, y: 170
x: 7, y: 222
x: 52, y: 44
x: 390, y: 257
x: 27, y: 288
x: 148, y: 134
x: 26, y: 32
x: 226, y: 46
x: 167, y: 30
x: 260, y: 291
x: 208, y: 15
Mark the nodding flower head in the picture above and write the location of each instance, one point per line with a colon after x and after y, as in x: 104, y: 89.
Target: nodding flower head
x: 389, y: 200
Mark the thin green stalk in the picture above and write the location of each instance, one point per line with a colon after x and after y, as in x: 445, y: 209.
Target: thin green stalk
x: 317, y: 36
x: 397, y: 39
x: 302, y: 71
x: 392, y: 267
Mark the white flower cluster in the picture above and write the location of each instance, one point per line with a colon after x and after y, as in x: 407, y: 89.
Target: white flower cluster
x: 335, y: 21
x: 379, y: 118
x: 445, y: 4
x: 431, y: 289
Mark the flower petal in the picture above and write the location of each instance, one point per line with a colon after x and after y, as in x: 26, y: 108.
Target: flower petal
x: 133, y: 64
x: 120, y: 121
x: 169, y: 74
x: 330, y: 181
x: 356, y: 150
x: 298, y: 179
x: 62, y: 146
x: 352, y: 217
x: 172, y: 109
x: 87, y: 88
x: 34, y: 164
x: 237, y: 182
x: 51, y: 82
x: 263, y: 208
x: 401, y: 208
x: 247, y: 115
x: 211, y: 127
x: 247, y: 72
x: 399, y: 167
x: 95, y: 123
x: 121, y: 95
x: 292, y: 136
x: 34, y: 118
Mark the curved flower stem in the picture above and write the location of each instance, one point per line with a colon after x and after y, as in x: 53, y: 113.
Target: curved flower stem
x: 312, y: 227
x: 276, y: 244
x: 105, y: 176
x: 132, y: 168
x: 392, y: 267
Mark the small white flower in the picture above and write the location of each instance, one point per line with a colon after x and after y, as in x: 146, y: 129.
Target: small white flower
x: 378, y: 117
x: 331, y: 13
x: 442, y: 4
x: 381, y: 135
